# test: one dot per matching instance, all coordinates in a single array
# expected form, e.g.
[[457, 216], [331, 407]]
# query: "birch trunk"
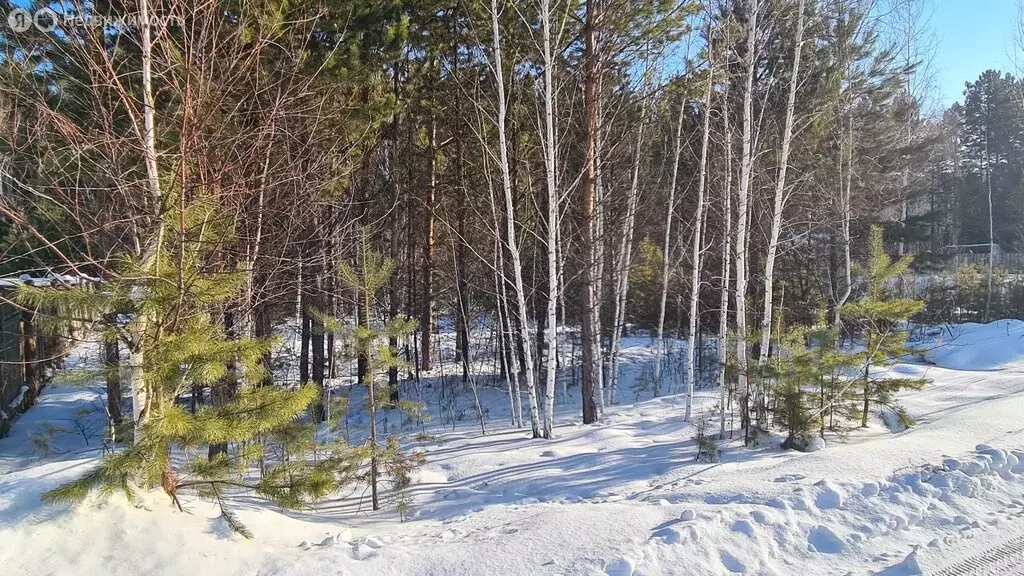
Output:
[[591, 75], [137, 377], [597, 254], [511, 372], [845, 183], [513, 247], [778, 207], [845, 203], [550, 148], [624, 256], [427, 311], [723, 311], [746, 164], [659, 344], [141, 398], [695, 251]]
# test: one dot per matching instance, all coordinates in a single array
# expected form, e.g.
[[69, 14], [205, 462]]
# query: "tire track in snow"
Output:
[[1005, 559]]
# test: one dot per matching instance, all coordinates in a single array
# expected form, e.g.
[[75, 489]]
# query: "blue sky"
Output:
[[973, 36]]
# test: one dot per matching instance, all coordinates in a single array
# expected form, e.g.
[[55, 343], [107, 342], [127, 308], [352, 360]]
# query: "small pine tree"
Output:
[[792, 409], [372, 273], [882, 321], [811, 387], [704, 439], [176, 345]]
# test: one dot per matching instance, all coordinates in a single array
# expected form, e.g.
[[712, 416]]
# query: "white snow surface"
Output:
[[624, 496]]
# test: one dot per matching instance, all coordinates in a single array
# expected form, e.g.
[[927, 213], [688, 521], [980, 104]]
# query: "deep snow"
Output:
[[621, 497]]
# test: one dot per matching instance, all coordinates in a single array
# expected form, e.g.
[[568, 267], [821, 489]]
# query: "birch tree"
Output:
[[550, 170], [778, 208], [513, 246], [697, 247], [742, 201], [659, 343], [140, 396]]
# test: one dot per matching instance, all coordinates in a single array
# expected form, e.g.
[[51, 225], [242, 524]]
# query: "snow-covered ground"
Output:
[[621, 497]]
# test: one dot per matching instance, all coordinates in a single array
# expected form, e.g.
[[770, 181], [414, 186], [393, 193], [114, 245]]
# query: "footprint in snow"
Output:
[[830, 496], [361, 551], [790, 478], [731, 563], [823, 539], [365, 548], [670, 535], [743, 527], [620, 567]]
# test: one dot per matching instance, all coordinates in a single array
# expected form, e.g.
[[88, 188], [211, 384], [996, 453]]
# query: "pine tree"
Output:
[[882, 320], [371, 274], [184, 346], [809, 380]]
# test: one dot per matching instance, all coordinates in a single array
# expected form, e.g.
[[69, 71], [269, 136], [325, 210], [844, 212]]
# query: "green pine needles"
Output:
[[883, 321], [171, 307], [372, 273], [819, 384]]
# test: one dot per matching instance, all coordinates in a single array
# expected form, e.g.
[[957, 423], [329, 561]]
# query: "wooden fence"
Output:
[[1012, 262], [23, 358]]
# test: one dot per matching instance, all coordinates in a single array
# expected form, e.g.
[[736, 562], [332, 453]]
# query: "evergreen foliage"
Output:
[[707, 445], [811, 386], [182, 347], [645, 285], [819, 384], [882, 322], [369, 276]]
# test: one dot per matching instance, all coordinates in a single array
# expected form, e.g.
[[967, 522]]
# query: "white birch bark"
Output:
[[140, 394], [505, 325], [777, 210], [696, 248], [723, 311], [742, 193], [659, 345], [550, 148], [598, 255], [513, 245], [845, 182], [846, 209]]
